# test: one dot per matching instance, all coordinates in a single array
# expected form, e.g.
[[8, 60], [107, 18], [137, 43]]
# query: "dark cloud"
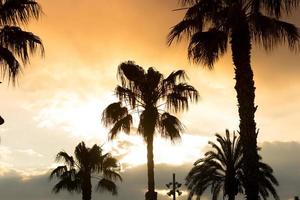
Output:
[[283, 157], [12, 187], [285, 161]]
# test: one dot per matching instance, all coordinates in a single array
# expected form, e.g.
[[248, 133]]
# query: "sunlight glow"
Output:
[[132, 150], [79, 116]]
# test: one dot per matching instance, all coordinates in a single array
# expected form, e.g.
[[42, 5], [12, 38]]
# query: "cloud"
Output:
[[281, 156], [284, 159]]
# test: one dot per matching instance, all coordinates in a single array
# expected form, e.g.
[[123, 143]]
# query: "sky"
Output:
[[59, 99]]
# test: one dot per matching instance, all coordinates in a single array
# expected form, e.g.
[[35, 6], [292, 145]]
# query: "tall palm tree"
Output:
[[16, 45], [210, 25], [148, 94], [76, 174], [221, 169]]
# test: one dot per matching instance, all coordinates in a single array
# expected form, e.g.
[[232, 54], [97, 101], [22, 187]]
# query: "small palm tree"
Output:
[[221, 170], [211, 25], [16, 44], [76, 174], [148, 94]]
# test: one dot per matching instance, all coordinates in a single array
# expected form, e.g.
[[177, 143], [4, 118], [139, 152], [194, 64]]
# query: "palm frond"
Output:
[[170, 126], [123, 124], [187, 2], [112, 175], [107, 185], [207, 47], [180, 96], [278, 7], [109, 162], [9, 64], [128, 96], [20, 42], [271, 32], [173, 77], [130, 74], [58, 171], [184, 28], [113, 113], [67, 184], [198, 15], [95, 157], [66, 158], [19, 11], [82, 155]]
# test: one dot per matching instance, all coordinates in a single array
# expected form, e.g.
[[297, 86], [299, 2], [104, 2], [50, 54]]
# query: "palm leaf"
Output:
[[170, 126], [270, 32], [58, 171], [113, 113], [9, 64], [63, 156], [207, 47], [107, 185], [19, 11], [20, 42], [123, 124]]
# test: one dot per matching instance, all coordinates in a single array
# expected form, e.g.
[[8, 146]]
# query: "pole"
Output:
[[174, 187]]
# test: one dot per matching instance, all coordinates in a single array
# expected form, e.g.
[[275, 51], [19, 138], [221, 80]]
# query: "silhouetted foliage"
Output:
[[89, 163], [148, 94], [15, 43], [221, 170], [210, 25], [1, 120]]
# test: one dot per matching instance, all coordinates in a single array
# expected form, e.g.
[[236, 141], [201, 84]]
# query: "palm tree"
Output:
[[17, 45], [76, 174], [210, 25], [221, 169], [148, 94]]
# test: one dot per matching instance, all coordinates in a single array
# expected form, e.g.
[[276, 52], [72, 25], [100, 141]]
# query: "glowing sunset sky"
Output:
[[59, 99]]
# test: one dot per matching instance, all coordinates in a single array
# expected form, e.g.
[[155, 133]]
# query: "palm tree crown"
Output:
[[221, 170], [209, 24], [75, 175], [17, 45], [148, 94]]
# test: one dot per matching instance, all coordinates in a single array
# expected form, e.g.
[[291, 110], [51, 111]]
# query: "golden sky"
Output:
[[59, 99]]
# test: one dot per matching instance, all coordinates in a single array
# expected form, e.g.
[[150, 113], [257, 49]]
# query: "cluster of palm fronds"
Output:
[[221, 170], [16, 45]]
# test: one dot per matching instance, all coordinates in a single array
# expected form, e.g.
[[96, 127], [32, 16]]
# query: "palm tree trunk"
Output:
[[241, 53], [150, 194], [86, 187]]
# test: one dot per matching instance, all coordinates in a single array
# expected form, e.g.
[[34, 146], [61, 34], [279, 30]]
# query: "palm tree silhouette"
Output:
[[148, 94], [14, 42], [221, 169], [210, 25], [76, 174]]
